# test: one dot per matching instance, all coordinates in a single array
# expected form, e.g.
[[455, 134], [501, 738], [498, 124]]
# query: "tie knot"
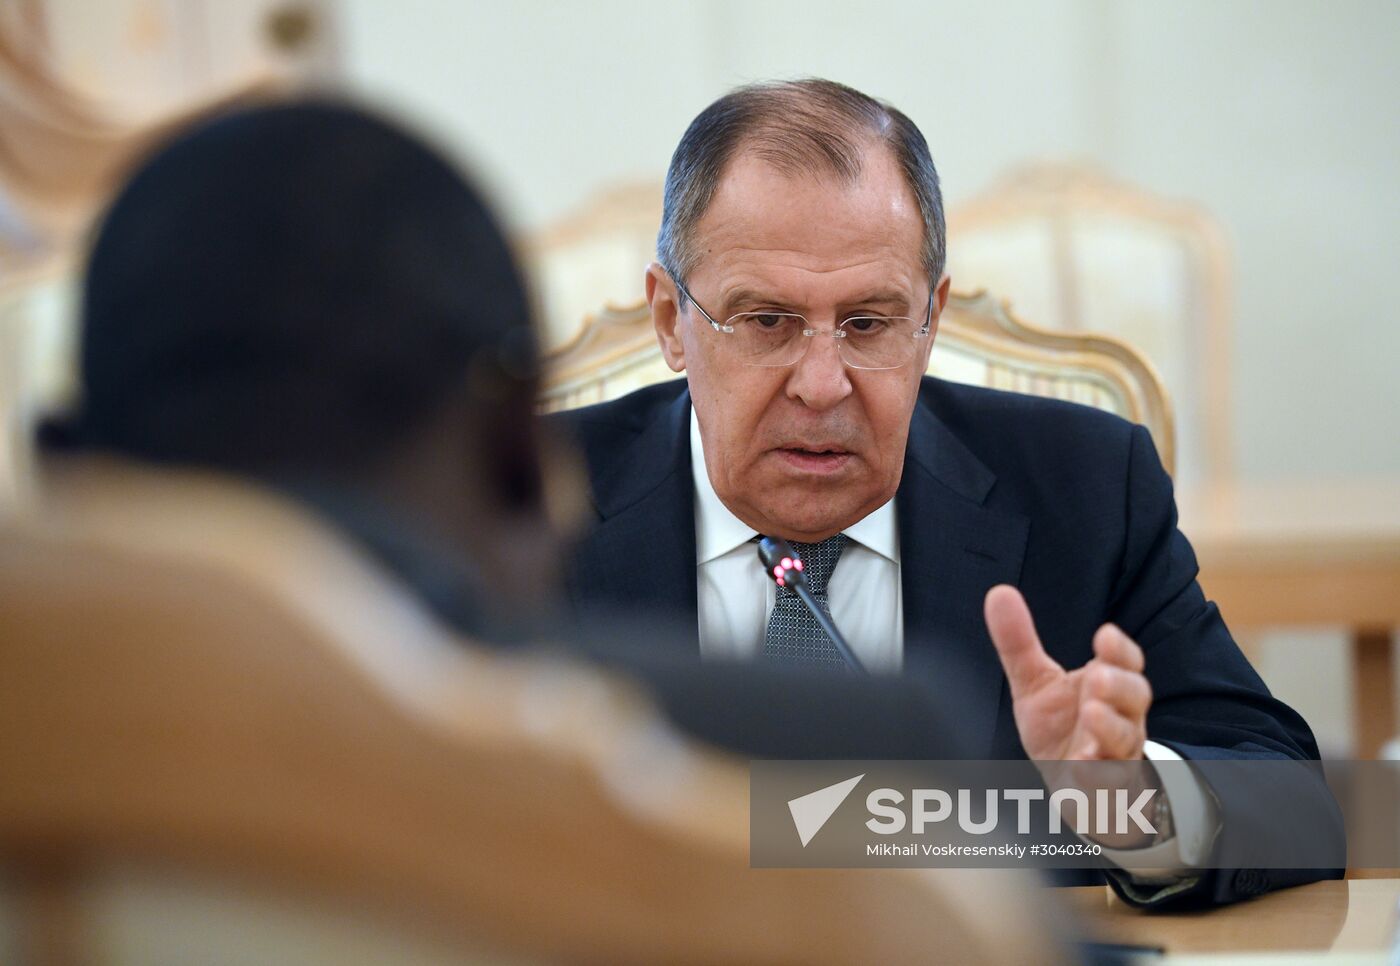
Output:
[[819, 560]]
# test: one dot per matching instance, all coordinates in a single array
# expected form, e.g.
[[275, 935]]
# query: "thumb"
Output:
[[1013, 633]]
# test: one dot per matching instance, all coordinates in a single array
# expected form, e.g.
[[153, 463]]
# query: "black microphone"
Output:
[[782, 564]]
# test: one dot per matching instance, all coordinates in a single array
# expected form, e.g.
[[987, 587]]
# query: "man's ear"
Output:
[[940, 296], [664, 299], [940, 302]]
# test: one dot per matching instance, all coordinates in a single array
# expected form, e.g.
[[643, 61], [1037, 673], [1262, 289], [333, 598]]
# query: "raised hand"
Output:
[[1096, 712]]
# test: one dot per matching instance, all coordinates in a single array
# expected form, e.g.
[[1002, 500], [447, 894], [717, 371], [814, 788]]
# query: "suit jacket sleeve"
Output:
[[1208, 703]]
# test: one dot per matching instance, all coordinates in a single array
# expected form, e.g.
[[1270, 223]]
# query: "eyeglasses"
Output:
[[775, 339]]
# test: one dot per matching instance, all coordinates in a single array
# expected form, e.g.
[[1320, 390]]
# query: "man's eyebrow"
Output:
[[751, 296], [882, 297]]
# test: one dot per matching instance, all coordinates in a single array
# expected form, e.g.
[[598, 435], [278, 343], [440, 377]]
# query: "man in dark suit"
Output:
[[799, 286]]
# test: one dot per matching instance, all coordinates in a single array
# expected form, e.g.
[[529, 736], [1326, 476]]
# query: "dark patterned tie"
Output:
[[793, 634]]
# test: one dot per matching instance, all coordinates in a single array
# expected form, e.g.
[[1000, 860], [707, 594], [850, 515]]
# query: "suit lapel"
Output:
[[641, 555], [953, 549]]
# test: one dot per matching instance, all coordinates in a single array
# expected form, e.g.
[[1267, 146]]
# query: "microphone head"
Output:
[[780, 562]]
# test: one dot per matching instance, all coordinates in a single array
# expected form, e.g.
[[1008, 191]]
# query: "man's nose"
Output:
[[819, 380]]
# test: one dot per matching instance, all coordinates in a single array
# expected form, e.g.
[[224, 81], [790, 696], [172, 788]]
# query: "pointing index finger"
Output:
[[1013, 633]]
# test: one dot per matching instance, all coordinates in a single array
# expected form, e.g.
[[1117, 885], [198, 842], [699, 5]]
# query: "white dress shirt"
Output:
[[735, 595], [866, 600]]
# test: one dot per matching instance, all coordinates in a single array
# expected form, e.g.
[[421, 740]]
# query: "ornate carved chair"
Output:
[[979, 341], [593, 255], [1078, 251]]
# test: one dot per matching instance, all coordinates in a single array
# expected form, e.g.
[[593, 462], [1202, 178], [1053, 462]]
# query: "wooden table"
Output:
[[1282, 554], [1341, 916]]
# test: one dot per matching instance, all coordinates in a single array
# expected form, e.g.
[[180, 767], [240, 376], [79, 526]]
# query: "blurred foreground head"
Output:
[[304, 294]]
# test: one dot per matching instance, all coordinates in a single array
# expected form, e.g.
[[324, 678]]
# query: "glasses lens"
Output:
[[767, 338], [878, 342]]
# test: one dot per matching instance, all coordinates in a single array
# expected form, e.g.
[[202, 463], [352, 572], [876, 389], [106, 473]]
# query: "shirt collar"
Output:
[[718, 531]]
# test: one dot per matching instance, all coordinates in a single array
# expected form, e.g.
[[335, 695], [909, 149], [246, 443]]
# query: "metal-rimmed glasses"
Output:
[[773, 338]]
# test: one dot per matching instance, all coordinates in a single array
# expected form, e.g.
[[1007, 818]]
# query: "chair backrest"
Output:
[[1076, 250], [979, 342], [596, 254], [195, 675]]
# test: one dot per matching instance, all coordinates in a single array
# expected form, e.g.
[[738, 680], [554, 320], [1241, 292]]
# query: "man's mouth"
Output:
[[815, 459]]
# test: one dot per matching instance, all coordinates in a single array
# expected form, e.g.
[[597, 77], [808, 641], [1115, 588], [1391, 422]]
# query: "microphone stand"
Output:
[[784, 568]]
